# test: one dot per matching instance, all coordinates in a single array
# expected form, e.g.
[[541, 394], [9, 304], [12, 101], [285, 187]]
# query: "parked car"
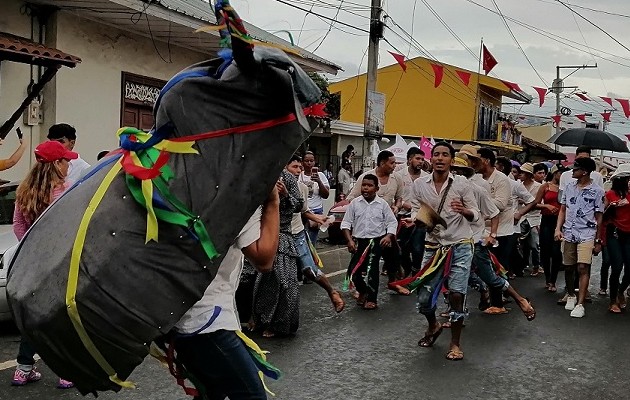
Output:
[[7, 240], [338, 210]]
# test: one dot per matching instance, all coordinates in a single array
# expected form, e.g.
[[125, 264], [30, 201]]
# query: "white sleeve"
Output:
[[564, 180], [251, 231], [348, 217], [523, 194], [324, 180]]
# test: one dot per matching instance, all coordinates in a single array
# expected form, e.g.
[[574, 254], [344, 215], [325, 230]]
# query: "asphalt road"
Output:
[[372, 355]]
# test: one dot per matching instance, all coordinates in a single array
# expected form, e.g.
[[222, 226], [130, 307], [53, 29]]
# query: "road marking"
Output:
[[11, 364], [330, 251], [341, 271]]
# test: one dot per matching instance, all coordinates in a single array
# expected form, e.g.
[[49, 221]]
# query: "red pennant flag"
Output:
[[400, 59], [556, 119], [512, 86], [625, 105], [606, 99], [438, 70], [606, 116], [541, 94], [488, 60], [581, 117], [627, 135], [464, 76], [581, 96]]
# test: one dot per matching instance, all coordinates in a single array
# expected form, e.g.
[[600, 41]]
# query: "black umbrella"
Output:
[[593, 138]]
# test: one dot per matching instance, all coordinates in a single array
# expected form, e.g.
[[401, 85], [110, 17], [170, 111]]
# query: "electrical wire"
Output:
[[357, 79], [330, 26], [507, 26], [448, 28], [322, 16]]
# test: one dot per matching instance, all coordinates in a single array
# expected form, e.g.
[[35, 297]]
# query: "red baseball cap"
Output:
[[51, 151]]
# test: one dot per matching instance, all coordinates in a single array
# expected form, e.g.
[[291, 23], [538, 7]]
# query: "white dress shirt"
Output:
[[76, 169], [457, 227], [369, 220], [520, 196], [501, 194], [487, 208], [390, 191]]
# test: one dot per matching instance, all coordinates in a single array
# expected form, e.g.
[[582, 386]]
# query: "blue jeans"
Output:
[[457, 278], [305, 260], [220, 361], [314, 232], [481, 260]]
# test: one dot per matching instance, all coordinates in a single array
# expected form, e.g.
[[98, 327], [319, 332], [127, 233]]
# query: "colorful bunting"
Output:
[[625, 105], [489, 61], [438, 71], [556, 119], [627, 135], [606, 116], [606, 99], [400, 59], [581, 117], [541, 94], [464, 76], [583, 97], [512, 86]]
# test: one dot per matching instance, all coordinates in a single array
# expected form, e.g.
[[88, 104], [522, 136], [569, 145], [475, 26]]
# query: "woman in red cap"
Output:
[[44, 183]]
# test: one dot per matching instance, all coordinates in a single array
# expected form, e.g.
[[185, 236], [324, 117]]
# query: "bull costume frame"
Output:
[[114, 263]]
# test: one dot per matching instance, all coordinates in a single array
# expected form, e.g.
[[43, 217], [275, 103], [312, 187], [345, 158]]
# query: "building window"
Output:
[[487, 122], [139, 94]]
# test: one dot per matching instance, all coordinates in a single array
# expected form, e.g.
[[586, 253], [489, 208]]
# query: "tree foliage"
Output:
[[332, 100]]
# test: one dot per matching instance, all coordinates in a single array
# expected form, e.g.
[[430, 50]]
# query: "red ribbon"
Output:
[[140, 172]]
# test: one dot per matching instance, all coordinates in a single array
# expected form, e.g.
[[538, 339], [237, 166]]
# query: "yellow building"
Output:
[[416, 108]]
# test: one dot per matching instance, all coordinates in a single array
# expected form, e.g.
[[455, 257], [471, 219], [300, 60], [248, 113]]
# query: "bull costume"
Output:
[[148, 222]]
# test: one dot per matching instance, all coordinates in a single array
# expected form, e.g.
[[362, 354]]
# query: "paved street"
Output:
[[373, 354]]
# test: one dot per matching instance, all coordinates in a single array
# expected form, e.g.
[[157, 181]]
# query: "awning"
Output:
[[23, 50]]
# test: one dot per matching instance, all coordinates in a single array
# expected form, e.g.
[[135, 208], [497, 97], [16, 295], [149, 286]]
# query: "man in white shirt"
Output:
[[531, 245], [452, 199], [373, 225], [207, 342], [345, 179], [411, 239], [67, 135]]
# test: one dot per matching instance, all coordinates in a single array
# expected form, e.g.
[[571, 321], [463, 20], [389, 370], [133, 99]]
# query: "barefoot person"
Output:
[[305, 261], [582, 206], [455, 203], [373, 226]]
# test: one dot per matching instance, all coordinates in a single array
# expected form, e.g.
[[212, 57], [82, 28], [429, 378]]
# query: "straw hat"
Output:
[[528, 167], [461, 161], [622, 171], [427, 218], [470, 150], [558, 167]]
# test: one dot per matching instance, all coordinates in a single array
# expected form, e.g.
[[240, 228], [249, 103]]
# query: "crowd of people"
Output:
[[444, 225]]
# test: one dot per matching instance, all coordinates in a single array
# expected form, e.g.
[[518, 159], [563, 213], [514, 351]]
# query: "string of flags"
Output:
[[489, 62]]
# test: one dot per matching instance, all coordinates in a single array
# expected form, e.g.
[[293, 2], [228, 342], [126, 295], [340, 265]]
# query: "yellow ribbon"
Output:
[[263, 354], [73, 279]]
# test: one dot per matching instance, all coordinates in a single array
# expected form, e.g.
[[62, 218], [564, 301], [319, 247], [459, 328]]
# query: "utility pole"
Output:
[[558, 87], [376, 34]]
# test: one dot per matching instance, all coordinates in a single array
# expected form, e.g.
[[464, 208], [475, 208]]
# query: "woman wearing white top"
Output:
[[318, 190]]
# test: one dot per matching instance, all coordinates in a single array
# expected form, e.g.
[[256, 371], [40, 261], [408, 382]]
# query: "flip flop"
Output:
[[337, 301], [455, 355], [495, 311], [361, 300], [530, 314], [429, 338], [614, 308]]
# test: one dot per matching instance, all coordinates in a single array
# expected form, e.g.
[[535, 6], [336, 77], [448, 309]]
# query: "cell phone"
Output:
[[314, 170], [18, 132]]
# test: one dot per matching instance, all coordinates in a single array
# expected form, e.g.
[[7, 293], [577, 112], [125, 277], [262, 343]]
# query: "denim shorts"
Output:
[[305, 259], [460, 266]]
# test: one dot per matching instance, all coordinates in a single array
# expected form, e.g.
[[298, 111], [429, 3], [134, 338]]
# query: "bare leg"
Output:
[[569, 279], [457, 304], [322, 281]]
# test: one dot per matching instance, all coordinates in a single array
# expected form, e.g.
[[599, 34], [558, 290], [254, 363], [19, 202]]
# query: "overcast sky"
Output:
[[471, 22]]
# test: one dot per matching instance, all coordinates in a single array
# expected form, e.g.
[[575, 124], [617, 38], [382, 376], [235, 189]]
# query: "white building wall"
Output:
[[88, 97], [14, 79]]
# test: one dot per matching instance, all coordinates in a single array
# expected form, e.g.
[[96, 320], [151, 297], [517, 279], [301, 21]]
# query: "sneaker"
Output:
[[571, 300], [21, 378], [578, 311], [64, 384], [563, 300]]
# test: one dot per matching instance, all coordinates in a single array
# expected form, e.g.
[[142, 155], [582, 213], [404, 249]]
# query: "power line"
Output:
[[594, 24], [322, 16], [448, 28], [329, 26], [517, 43]]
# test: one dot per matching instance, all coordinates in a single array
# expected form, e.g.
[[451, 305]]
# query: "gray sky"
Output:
[[471, 22]]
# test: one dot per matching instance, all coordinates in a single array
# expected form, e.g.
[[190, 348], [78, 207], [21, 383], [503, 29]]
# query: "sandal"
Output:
[[445, 314], [337, 301], [400, 290], [455, 354], [553, 288], [429, 338], [484, 301], [268, 334], [355, 294], [621, 300], [370, 305], [530, 314], [495, 311], [614, 308], [447, 325], [361, 300]]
